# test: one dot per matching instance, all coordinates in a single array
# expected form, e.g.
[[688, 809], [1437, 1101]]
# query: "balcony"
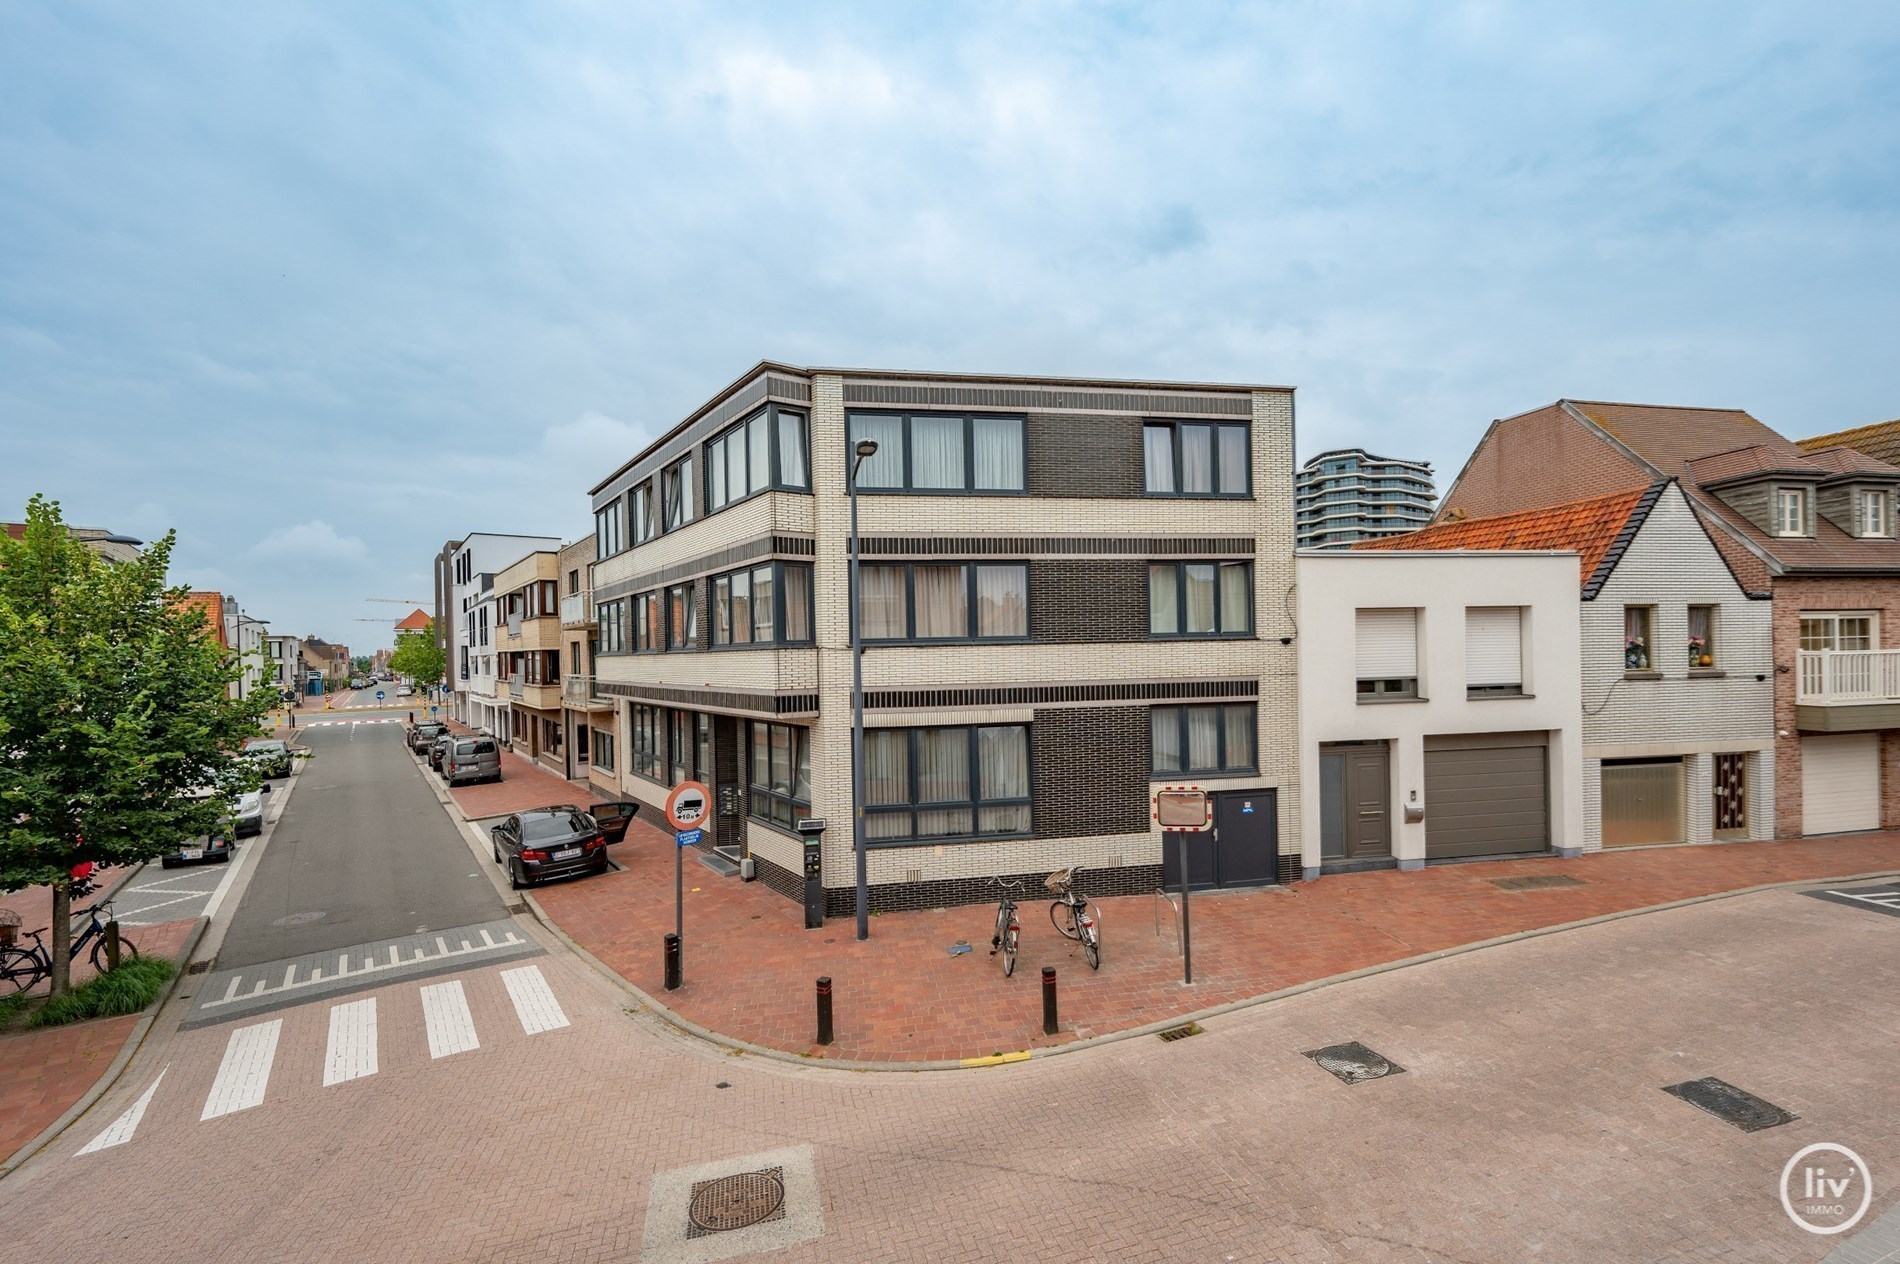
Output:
[[577, 610], [1847, 691], [580, 691], [514, 689]]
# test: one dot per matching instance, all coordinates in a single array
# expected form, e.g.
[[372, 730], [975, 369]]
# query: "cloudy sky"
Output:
[[322, 285]]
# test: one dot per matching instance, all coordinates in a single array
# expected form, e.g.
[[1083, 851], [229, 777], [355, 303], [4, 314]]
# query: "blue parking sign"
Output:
[[689, 838]]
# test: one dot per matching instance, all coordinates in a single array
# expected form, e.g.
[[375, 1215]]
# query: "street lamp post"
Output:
[[866, 448]]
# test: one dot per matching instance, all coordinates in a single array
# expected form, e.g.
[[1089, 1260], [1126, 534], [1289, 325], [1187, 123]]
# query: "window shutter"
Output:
[[1388, 644], [1494, 652]]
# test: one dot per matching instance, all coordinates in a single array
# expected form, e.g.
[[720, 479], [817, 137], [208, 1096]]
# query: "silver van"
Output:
[[472, 759]]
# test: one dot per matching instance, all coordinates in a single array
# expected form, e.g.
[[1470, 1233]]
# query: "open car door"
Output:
[[613, 819]]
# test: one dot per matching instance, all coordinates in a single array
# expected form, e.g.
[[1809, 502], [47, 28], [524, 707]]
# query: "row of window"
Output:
[[768, 604], [968, 453], [1872, 510]]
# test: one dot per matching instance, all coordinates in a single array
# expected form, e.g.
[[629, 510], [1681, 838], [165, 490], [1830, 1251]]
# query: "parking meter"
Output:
[[813, 829]]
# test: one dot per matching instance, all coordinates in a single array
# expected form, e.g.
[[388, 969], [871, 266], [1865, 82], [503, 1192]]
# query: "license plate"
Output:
[[567, 853], [192, 853]]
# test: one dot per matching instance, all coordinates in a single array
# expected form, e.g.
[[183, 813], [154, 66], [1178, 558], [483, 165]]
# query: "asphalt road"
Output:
[[363, 842]]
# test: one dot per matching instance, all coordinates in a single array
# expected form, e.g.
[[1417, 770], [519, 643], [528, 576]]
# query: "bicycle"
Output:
[[1008, 930], [1074, 916], [22, 968]]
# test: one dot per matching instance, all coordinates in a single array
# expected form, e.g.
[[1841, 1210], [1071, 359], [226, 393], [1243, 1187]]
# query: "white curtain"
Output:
[[887, 767], [801, 766], [1197, 459], [942, 601], [735, 465], [781, 740], [1236, 597], [761, 769], [791, 449], [881, 608], [762, 611], [1002, 756], [1164, 729], [1200, 597], [1002, 601], [715, 475], [1163, 598], [759, 440], [1204, 725], [936, 452], [742, 608], [1233, 460], [886, 468], [1240, 725], [1157, 457], [998, 453], [797, 603]]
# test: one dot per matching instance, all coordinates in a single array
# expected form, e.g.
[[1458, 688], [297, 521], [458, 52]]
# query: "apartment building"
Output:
[[245, 636], [582, 706], [1348, 495], [283, 665], [528, 658], [1072, 591], [472, 566]]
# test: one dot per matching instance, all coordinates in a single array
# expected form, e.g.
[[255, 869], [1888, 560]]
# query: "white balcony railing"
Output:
[[579, 690], [577, 610], [1849, 676], [514, 689]]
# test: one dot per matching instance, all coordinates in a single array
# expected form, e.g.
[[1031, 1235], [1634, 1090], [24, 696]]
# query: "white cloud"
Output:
[[313, 541], [593, 442]]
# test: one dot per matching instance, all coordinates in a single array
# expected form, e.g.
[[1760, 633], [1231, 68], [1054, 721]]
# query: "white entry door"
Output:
[[1840, 783]]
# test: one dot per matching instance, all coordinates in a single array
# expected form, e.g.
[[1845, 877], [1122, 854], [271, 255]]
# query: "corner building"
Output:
[[1072, 591]]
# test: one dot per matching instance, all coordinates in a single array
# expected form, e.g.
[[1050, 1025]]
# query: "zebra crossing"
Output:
[[330, 724], [352, 1044]]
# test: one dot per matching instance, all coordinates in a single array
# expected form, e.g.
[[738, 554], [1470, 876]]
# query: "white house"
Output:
[[1439, 708], [471, 636], [1677, 666]]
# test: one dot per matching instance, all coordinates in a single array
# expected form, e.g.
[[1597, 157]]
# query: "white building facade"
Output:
[[472, 645]]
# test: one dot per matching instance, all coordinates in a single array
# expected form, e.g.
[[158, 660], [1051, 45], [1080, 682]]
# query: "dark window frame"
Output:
[[649, 765], [1227, 767], [779, 639], [610, 515], [643, 514], [972, 617], [796, 809], [969, 420], [676, 476], [610, 621], [1180, 601], [775, 479], [1173, 426], [654, 624], [976, 802], [680, 640]]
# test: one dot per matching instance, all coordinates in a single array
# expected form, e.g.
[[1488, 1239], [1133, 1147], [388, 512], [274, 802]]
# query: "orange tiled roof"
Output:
[[1590, 528], [415, 622], [213, 606]]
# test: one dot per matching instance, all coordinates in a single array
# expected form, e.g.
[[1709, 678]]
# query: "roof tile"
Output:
[[1587, 527]]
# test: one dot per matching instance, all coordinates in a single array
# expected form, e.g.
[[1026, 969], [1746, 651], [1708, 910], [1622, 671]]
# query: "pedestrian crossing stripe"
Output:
[[325, 724], [244, 1072]]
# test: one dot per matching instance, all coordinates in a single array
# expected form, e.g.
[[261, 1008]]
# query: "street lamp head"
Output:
[[867, 448]]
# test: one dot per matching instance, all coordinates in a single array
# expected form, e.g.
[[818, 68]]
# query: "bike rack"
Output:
[[1161, 897]]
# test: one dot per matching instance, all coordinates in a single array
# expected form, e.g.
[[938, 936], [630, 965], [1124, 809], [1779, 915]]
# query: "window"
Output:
[[1200, 598], [1702, 636], [682, 618], [1871, 515], [1791, 511], [679, 746], [1494, 651], [766, 450], [603, 750], [1201, 739], [1385, 653], [1637, 623], [940, 452], [573, 581], [649, 737], [1837, 632], [641, 509], [763, 605], [676, 493], [1194, 459], [610, 618], [959, 601], [946, 783], [607, 538], [779, 773], [648, 633]]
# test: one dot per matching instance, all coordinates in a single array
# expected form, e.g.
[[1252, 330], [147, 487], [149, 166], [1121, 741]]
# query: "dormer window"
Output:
[[1873, 514], [1791, 511]]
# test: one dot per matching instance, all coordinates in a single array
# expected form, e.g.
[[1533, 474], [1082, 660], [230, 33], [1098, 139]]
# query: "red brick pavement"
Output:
[[750, 965], [523, 784]]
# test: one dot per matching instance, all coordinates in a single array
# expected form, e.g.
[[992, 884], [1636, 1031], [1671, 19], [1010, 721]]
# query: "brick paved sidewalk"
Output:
[[42, 1073], [750, 965], [524, 784]]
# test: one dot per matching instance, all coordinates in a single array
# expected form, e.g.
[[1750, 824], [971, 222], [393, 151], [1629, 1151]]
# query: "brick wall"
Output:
[[1090, 771], [1088, 601], [1108, 463]]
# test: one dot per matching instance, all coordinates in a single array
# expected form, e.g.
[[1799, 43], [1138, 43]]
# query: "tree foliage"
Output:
[[417, 656], [113, 711]]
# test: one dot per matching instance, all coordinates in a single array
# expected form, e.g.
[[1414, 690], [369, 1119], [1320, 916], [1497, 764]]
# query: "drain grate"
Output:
[[1729, 1104], [519, 906], [197, 967], [1353, 1063], [736, 1202], [1181, 1033], [1537, 882]]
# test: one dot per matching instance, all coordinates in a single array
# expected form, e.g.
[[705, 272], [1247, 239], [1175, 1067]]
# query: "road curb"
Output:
[[110, 1076]]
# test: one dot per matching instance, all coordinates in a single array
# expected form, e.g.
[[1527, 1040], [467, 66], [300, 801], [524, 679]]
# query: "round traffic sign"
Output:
[[688, 805]]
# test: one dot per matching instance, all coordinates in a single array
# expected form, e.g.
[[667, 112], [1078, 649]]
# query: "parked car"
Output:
[[246, 818], [613, 819], [472, 759], [359, 683], [422, 736], [250, 811], [405, 692], [439, 748], [545, 843], [273, 755]]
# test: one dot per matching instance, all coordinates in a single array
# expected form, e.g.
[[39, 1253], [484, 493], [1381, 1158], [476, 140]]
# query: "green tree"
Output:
[[113, 710], [418, 657]]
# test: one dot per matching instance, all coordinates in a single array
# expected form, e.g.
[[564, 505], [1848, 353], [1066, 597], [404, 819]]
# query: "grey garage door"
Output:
[[1486, 794]]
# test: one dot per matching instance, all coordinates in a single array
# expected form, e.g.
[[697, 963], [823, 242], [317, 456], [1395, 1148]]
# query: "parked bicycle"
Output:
[[1008, 930], [1075, 917], [22, 968]]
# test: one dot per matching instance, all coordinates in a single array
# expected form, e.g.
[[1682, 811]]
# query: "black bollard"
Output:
[[112, 945], [1048, 1000], [672, 962], [824, 1009]]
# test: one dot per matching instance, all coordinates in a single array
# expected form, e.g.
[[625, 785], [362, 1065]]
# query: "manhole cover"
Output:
[[1353, 1063], [1730, 1104], [1539, 882], [735, 1202], [298, 919]]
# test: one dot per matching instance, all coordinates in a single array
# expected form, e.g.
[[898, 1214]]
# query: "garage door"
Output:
[[1840, 783], [1485, 795]]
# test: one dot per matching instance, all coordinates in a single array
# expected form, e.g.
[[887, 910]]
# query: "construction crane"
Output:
[[396, 601]]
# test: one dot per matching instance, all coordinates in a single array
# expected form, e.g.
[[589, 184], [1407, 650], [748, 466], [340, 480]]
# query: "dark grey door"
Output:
[[1355, 802], [1241, 850], [1486, 795]]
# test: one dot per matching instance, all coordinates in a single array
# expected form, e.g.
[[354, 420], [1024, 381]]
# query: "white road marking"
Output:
[[352, 1051], [370, 966], [445, 1013], [245, 1071], [1885, 899], [125, 1125], [535, 1003]]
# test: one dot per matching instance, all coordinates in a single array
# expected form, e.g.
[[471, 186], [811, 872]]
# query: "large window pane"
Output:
[[1003, 762], [886, 469], [1164, 617], [998, 454], [762, 608], [1157, 458], [760, 772], [797, 603], [781, 743], [759, 443], [886, 825], [936, 452], [1197, 459], [942, 601], [1203, 735], [1233, 460], [735, 465], [791, 450], [943, 766], [1005, 820], [887, 766], [801, 767], [1236, 597], [1198, 581], [1164, 724], [881, 616], [716, 474], [944, 822], [1002, 601], [1240, 724], [741, 607], [722, 611]]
